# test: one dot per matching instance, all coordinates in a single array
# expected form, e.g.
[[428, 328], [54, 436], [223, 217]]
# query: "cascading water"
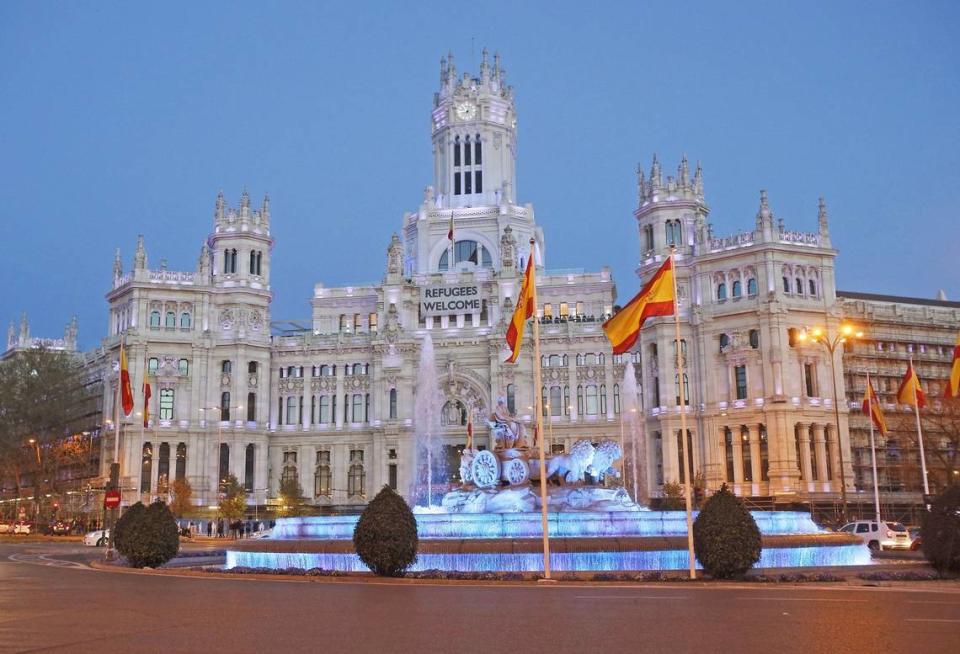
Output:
[[633, 428], [428, 460]]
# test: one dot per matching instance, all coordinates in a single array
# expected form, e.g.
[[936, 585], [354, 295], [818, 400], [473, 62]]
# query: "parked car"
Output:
[[60, 528], [915, 541], [6, 527], [97, 538], [21, 528], [879, 535]]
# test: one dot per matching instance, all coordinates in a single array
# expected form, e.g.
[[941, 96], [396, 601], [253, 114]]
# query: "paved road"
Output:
[[50, 601]]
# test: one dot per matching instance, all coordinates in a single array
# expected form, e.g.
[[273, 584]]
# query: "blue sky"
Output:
[[126, 118]]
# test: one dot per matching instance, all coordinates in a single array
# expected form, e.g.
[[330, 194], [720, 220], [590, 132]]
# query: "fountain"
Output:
[[427, 453], [492, 522]]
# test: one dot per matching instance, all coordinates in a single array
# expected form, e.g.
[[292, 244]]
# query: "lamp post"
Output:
[[830, 343], [36, 484]]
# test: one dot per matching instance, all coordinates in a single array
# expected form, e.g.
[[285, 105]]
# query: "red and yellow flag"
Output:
[[146, 400], [655, 299], [871, 407], [521, 313], [126, 393], [952, 388], [910, 391], [450, 231]]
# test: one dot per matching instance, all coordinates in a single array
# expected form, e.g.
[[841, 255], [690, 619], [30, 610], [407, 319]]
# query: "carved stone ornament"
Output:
[[252, 381], [256, 320], [227, 319], [225, 380]]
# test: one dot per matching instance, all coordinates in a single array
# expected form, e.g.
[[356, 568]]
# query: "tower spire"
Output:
[[823, 222], [683, 173], [140, 255], [698, 181], [117, 265]]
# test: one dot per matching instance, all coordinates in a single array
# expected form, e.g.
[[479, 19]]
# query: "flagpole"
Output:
[[687, 491], [873, 449], [916, 412], [116, 450], [538, 408]]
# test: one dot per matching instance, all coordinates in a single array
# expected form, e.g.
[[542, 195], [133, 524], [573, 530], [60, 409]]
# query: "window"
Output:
[[170, 322], [658, 456], [786, 285], [322, 476], [580, 405], [648, 238], [592, 404], [548, 310], [372, 321], [252, 368], [478, 176], [456, 152], [556, 401], [248, 467], [154, 319], [146, 467], [511, 399], [809, 380], [152, 365], [566, 400], [737, 289], [754, 338], [356, 479], [683, 469], [357, 322], [603, 399], [721, 291], [393, 404], [674, 233], [728, 451], [181, 472], [226, 367], [616, 398], [166, 404], [291, 410], [253, 262], [358, 369], [251, 407], [456, 182], [813, 287], [224, 467], [225, 405], [467, 158], [751, 286], [747, 456], [477, 153], [740, 372], [392, 471], [686, 389], [183, 367], [344, 323], [184, 320], [357, 407], [289, 474], [863, 528], [724, 342], [467, 180], [764, 455], [798, 286], [656, 391]]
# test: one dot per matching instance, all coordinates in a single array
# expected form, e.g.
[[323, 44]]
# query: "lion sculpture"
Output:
[[570, 468], [606, 454]]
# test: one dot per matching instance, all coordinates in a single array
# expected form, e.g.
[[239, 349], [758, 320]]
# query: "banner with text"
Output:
[[444, 300]]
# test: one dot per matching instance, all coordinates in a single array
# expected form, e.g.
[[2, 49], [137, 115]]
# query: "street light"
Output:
[[830, 343], [36, 484]]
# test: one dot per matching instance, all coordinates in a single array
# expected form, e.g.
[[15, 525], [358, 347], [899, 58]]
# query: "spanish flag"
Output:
[[146, 401], [952, 388], [450, 231], [521, 313], [910, 391], [871, 407], [126, 393], [655, 299]]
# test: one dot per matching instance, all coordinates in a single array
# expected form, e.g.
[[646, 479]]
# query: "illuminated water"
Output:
[[781, 557]]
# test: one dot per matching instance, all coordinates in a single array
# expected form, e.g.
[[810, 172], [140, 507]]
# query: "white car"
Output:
[[880, 535], [21, 528], [96, 538]]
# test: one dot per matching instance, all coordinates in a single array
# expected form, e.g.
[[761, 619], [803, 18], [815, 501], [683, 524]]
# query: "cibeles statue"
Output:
[[507, 431]]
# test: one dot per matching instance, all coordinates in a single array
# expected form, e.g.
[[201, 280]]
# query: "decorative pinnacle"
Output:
[[244, 200], [698, 180], [683, 172]]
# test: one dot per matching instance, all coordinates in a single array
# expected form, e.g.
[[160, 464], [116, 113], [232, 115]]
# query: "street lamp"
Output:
[[830, 343], [36, 484]]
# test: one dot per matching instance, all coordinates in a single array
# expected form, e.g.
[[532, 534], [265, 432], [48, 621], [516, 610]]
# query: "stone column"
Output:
[[338, 417], [306, 417], [755, 463], [305, 464], [273, 395], [572, 384], [820, 446], [805, 472]]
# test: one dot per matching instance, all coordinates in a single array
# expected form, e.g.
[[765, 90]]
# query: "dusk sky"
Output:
[[124, 118]]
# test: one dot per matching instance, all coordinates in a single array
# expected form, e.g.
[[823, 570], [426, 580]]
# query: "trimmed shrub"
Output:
[[940, 531], [147, 536], [725, 536], [385, 537]]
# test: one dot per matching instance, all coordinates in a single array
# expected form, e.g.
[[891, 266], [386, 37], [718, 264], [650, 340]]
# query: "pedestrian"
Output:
[[209, 528]]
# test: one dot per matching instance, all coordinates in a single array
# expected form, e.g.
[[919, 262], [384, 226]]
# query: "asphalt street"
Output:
[[50, 600]]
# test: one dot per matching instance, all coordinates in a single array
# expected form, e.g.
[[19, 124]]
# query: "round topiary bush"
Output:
[[385, 537], [725, 536], [147, 536], [940, 531]]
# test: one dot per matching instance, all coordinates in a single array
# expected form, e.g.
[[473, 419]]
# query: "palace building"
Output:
[[331, 404]]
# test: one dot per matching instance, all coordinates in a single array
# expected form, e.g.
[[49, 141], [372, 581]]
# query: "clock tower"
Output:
[[474, 128]]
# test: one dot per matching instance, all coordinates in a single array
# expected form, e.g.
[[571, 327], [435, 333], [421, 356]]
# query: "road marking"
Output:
[[39, 559], [630, 597], [802, 599], [931, 620]]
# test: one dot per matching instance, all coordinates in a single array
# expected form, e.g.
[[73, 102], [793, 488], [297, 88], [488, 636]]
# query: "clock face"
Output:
[[466, 111]]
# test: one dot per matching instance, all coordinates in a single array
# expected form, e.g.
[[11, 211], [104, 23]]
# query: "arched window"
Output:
[[393, 404], [580, 405], [251, 367], [184, 320], [566, 400], [467, 152], [721, 291], [181, 471], [171, 320], [674, 232], [225, 405], [813, 287], [554, 360], [724, 342], [152, 365], [356, 477], [358, 369], [686, 389], [603, 399], [289, 471], [456, 153], [163, 468], [454, 414], [166, 404], [292, 410], [251, 407], [593, 406], [754, 338], [556, 401], [477, 155], [566, 361], [347, 369], [737, 288], [589, 359], [248, 467], [357, 408], [799, 286], [226, 366], [579, 359], [154, 319], [786, 284], [322, 475], [146, 467], [616, 398], [752, 286], [324, 370]]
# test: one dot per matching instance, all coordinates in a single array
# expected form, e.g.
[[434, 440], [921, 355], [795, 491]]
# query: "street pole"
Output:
[[538, 409], [836, 414], [916, 412], [873, 449]]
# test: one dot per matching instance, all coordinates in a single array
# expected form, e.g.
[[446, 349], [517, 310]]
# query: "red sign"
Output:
[[111, 499]]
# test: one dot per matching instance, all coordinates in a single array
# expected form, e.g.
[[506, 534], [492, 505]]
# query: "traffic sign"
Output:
[[111, 499]]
